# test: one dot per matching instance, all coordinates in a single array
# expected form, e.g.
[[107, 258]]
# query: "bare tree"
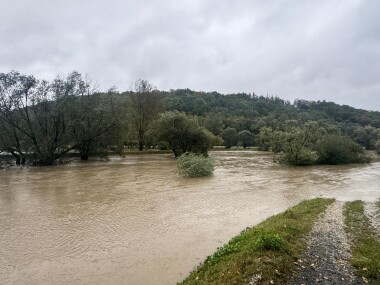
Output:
[[47, 120]]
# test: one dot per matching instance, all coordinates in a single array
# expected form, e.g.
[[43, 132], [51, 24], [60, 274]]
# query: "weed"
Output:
[[366, 246]]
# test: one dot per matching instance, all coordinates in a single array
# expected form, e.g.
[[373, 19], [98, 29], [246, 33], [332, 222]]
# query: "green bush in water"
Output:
[[337, 149], [378, 147], [301, 157], [163, 145], [194, 165]]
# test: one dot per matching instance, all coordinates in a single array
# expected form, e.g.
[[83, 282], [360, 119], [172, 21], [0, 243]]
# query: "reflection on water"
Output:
[[135, 221]]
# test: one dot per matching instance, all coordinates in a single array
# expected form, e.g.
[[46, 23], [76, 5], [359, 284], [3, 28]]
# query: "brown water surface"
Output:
[[135, 221]]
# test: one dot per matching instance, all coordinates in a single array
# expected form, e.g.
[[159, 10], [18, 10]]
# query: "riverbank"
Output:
[[7, 161], [306, 244]]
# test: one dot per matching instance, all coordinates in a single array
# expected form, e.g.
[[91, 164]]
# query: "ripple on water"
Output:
[[135, 219]]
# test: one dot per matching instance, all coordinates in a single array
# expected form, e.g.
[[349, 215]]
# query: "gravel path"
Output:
[[326, 260], [372, 211]]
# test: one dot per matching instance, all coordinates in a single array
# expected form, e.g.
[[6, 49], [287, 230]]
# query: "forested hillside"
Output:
[[244, 111], [41, 121]]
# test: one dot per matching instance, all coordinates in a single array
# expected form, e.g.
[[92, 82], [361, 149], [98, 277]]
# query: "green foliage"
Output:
[[269, 249], [68, 113], [230, 137], [182, 133], [269, 241], [299, 143], [144, 105], [45, 120], [312, 143], [245, 138], [217, 141], [277, 139], [163, 145], [378, 147], [338, 149], [265, 138], [194, 165], [302, 157], [213, 122], [366, 246], [367, 136]]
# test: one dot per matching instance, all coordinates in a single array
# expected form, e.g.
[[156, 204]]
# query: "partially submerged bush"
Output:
[[163, 145], [193, 165], [302, 157], [378, 147], [339, 149]]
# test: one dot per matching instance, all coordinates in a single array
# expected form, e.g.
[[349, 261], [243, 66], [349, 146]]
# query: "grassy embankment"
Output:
[[265, 253], [366, 245]]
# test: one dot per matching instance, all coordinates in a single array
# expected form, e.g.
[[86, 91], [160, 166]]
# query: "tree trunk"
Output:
[[17, 157], [84, 151], [84, 156]]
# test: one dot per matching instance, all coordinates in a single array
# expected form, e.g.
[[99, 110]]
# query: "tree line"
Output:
[[41, 121]]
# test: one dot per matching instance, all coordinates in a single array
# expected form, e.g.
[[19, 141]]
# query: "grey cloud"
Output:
[[316, 50]]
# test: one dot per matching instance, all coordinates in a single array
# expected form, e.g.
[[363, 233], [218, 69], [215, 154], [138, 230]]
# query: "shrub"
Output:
[[193, 165], [337, 149], [300, 158], [378, 147], [269, 241], [163, 145], [230, 137]]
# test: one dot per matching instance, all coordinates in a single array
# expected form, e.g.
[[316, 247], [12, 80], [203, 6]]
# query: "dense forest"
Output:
[[41, 122]]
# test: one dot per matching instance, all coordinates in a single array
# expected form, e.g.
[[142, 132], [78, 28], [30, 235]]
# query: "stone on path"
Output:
[[326, 259]]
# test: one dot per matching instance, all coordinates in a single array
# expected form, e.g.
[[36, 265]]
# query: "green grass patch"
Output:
[[366, 246], [266, 252]]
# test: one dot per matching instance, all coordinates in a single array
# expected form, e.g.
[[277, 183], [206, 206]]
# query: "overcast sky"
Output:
[[314, 50]]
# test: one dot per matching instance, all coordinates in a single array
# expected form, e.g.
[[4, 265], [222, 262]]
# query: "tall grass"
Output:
[[366, 245]]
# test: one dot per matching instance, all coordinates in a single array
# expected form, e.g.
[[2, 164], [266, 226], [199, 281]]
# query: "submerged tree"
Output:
[[338, 149], [34, 111], [97, 119], [47, 120], [182, 133], [311, 143], [230, 137], [378, 147], [144, 106], [265, 138], [245, 138], [367, 136]]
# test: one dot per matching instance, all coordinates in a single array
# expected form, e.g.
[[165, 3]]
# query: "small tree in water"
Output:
[[144, 106], [182, 133], [194, 165]]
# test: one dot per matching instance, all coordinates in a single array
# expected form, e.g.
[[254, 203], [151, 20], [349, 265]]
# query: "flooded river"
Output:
[[133, 220]]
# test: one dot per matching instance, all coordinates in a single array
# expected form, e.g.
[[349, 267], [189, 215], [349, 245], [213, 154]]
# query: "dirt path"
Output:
[[326, 260], [372, 211]]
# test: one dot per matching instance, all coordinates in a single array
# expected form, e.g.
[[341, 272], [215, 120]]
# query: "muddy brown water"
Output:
[[133, 220]]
